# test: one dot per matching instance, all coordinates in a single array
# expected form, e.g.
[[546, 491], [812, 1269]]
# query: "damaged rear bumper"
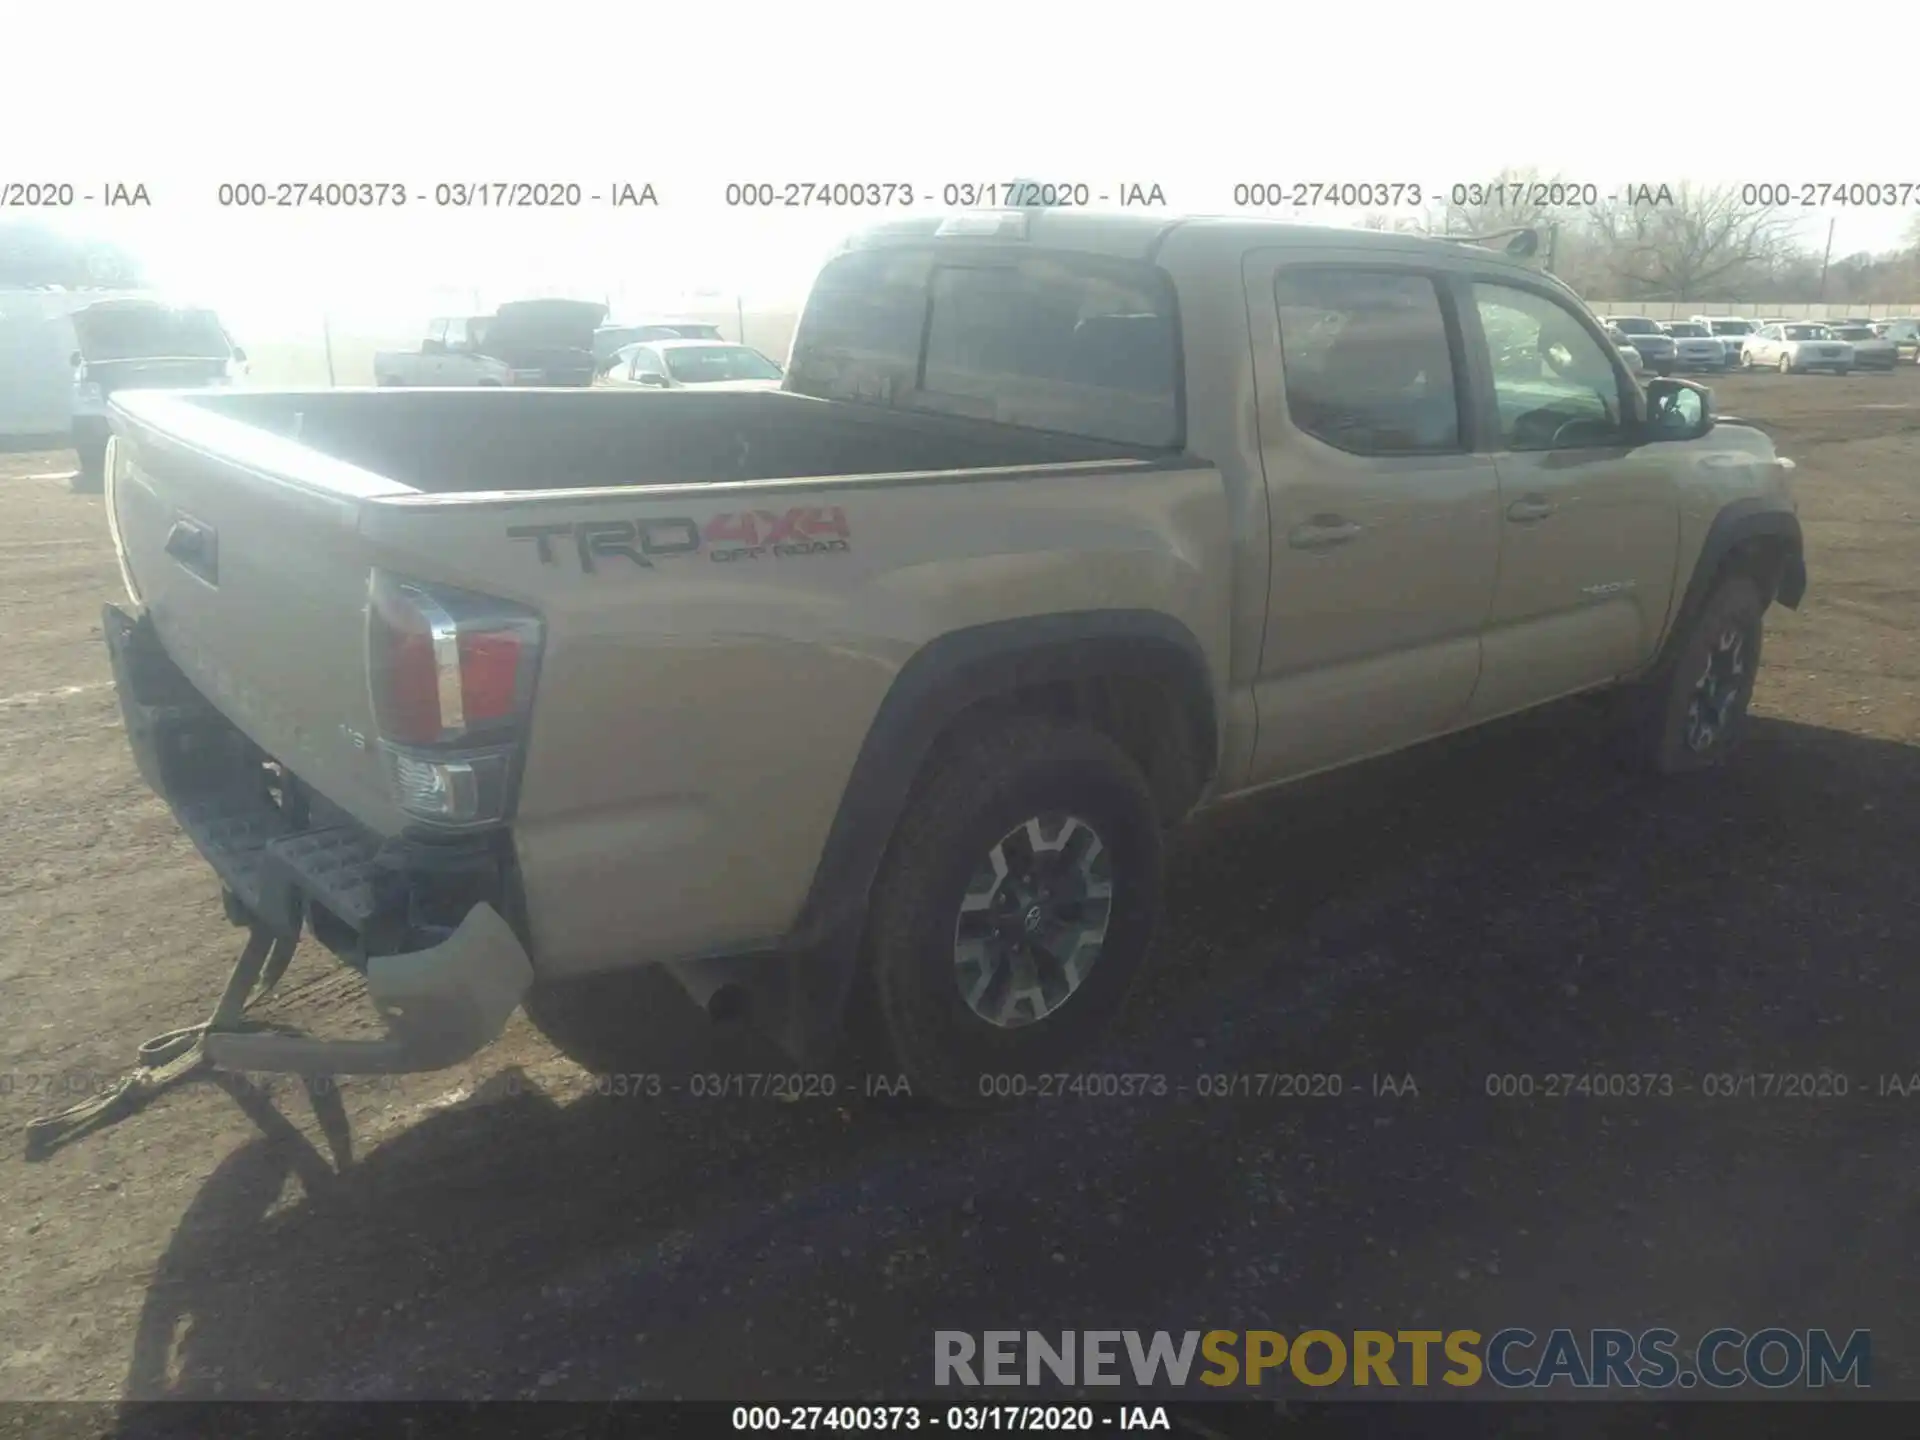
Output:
[[423, 922], [440, 1005]]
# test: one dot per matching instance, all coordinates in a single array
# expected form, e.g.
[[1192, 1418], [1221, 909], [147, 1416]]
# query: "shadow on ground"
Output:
[[1504, 905]]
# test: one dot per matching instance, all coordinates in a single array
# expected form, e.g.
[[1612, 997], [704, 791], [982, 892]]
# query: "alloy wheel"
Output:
[[1717, 692], [1033, 921]]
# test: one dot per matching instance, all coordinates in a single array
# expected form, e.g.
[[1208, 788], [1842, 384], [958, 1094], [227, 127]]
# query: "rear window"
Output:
[[708, 364], [1689, 332], [1808, 332], [1079, 345], [1856, 332], [1733, 327], [140, 333], [1635, 325]]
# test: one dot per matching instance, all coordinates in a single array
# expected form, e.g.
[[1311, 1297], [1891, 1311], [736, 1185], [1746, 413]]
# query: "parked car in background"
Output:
[[139, 344], [1904, 332], [610, 340], [1654, 344], [693, 364], [1695, 347], [526, 342], [1730, 330], [1870, 350], [1797, 346], [1635, 361]]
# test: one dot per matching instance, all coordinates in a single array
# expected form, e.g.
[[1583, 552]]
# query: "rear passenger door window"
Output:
[[1369, 367], [1555, 385]]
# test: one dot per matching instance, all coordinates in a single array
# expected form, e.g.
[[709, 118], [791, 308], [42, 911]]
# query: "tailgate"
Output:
[[243, 549]]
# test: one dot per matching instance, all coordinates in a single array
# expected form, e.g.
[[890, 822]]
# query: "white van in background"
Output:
[[37, 342], [45, 276]]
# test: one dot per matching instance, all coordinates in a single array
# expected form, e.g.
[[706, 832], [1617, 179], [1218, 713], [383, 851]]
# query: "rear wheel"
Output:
[[1785, 365], [1014, 908]]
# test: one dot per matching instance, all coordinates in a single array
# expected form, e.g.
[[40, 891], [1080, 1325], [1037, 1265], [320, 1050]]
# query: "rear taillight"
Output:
[[451, 675]]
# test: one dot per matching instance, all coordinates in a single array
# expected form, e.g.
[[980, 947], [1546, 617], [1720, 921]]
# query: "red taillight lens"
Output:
[[446, 666], [489, 675], [409, 676]]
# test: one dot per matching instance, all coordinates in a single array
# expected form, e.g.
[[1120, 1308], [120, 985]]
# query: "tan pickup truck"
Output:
[[1063, 527]]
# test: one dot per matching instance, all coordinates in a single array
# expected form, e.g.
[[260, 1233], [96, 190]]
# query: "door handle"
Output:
[[1529, 510], [1323, 532], [195, 547]]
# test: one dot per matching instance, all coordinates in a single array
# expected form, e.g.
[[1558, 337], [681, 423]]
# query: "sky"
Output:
[[1193, 98]]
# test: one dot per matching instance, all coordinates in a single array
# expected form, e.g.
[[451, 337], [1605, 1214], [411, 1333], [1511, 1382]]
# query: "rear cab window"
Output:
[[1074, 344], [1369, 366]]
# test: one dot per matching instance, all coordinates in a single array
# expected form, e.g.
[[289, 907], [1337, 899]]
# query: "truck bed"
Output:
[[783, 604], [454, 441]]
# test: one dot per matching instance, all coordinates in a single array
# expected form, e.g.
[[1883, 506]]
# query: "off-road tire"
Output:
[[979, 786], [1658, 735]]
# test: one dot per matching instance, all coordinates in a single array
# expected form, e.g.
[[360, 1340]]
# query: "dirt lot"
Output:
[[1506, 906]]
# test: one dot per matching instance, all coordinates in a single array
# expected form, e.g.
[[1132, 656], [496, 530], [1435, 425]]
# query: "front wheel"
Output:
[[1697, 701], [1785, 365], [1014, 908]]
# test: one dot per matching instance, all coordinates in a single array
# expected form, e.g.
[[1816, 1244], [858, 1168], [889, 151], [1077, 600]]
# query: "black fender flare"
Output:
[[1738, 523], [800, 990]]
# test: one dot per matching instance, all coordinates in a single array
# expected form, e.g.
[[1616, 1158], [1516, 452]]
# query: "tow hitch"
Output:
[[166, 1060]]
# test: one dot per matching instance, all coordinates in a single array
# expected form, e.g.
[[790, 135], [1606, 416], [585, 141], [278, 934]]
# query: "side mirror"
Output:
[[1678, 409], [76, 360]]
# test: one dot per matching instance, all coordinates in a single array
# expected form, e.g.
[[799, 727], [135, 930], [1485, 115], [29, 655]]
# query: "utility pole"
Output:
[[1827, 259]]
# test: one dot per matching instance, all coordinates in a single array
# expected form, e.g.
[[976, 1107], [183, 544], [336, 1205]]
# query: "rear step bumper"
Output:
[[442, 1000]]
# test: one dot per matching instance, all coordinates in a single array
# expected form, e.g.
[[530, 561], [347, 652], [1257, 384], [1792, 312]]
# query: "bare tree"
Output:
[[1690, 243], [1390, 220], [1512, 200]]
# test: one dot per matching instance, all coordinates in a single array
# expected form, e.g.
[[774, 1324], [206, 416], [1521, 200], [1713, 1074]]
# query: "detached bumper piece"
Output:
[[445, 971]]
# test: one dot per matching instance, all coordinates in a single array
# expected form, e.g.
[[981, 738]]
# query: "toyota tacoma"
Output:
[[1061, 528]]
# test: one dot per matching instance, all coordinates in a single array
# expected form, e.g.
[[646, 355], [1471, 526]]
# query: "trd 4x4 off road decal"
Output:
[[742, 535]]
